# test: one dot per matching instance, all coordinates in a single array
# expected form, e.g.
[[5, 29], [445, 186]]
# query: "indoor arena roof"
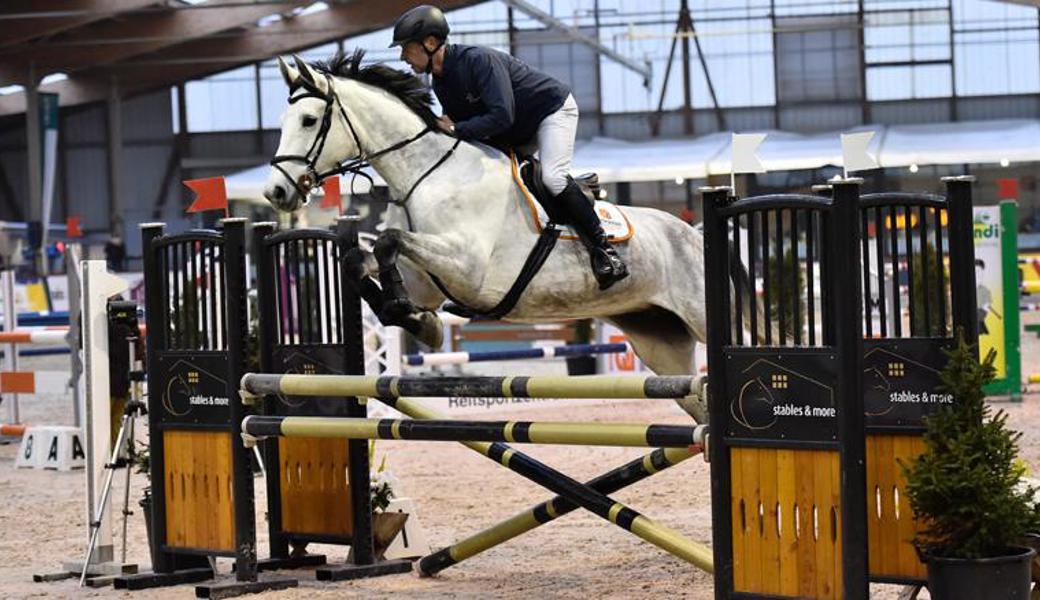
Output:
[[79, 47]]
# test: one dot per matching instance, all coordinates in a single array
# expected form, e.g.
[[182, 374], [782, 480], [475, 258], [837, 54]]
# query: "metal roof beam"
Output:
[[22, 22], [576, 35], [133, 35]]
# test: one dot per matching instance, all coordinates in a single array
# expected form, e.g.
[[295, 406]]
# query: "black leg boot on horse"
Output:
[[607, 266], [391, 304]]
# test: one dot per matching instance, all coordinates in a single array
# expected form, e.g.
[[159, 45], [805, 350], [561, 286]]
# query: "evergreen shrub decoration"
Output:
[[965, 488]]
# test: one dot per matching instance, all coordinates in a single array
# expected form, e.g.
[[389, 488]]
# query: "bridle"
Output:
[[313, 178]]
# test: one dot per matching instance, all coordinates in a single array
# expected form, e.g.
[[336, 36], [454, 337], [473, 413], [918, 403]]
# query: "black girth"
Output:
[[537, 257]]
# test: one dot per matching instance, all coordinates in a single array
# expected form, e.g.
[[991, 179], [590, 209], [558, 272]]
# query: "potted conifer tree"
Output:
[[966, 491]]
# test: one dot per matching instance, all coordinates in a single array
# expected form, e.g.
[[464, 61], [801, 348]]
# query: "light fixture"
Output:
[[680, 180], [1005, 162], [602, 194], [913, 168], [53, 78]]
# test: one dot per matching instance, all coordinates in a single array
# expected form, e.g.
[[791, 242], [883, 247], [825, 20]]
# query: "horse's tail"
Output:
[[745, 287]]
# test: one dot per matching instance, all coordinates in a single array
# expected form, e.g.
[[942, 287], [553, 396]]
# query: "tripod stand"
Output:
[[134, 408]]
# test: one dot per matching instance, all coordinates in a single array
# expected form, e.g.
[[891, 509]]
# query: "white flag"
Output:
[[854, 151], [744, 158]]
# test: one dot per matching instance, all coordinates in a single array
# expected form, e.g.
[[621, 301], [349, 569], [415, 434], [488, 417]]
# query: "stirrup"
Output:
[[618, 271]]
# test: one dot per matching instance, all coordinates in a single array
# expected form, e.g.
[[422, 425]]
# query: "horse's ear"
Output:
[[288, 73], [308, 74]]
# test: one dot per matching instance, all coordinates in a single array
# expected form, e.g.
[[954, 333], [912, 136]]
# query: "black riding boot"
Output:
[[607, 266]]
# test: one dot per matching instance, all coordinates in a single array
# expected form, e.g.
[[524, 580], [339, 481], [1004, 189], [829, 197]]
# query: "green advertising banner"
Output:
[[996, 280]]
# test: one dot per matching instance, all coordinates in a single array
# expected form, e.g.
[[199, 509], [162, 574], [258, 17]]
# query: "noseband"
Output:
[[313, 178]]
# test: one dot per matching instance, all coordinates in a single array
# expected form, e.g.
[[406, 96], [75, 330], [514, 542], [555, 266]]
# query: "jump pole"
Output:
[[550, 510], [595, 502], [517, 432], [591, 386], [437, 359]]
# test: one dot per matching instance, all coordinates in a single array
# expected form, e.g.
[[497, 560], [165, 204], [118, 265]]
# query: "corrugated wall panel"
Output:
[[16, 176], [911, 112], [148, 117], [224, 143], [820, 117], [87, 196], [572, 63], [84, 125], [999, 107]]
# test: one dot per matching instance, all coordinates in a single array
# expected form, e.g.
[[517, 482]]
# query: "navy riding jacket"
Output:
[[492, 96]]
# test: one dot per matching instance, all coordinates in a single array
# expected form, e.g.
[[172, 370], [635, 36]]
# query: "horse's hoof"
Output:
[[430, 330]]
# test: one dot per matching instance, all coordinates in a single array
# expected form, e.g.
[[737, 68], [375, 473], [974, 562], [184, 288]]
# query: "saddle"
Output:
[[531, 175], [544, 208], [528, 173]]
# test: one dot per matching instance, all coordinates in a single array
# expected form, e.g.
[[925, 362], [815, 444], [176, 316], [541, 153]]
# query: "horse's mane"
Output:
[[404, 86]]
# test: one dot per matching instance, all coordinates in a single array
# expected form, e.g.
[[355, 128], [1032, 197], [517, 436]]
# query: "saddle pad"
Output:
[[615, 224]]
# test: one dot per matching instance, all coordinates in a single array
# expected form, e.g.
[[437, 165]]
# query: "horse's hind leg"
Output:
[[662, 342]]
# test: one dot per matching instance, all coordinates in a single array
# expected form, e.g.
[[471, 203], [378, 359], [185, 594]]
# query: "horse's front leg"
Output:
[[441, 256], [423, 325], [387, 251], [360, 268], [428, 253]]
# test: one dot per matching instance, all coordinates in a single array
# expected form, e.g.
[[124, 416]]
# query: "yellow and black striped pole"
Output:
[[534, 517], [521, 432], [663, 537], [592, 386]]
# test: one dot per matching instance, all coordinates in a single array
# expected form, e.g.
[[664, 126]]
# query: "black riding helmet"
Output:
[[418, 23]]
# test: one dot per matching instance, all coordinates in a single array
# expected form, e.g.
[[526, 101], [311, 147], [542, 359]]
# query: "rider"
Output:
[[490, 96]]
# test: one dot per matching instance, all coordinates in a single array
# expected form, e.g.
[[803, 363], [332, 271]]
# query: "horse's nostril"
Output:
[[279, 192]]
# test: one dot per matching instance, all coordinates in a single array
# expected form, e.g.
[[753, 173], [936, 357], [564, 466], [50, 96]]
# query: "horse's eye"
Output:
[[309, 121]]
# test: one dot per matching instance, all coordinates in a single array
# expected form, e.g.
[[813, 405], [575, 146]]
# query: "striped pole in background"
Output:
[[434, 359], [34, 382], [12, 430], [35, 336]]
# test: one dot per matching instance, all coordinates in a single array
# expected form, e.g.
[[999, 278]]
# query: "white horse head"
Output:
[[315, 136]]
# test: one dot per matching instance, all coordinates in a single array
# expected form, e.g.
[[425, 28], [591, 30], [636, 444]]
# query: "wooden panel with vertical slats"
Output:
[[890, 526], [199, 503], [786, 522], [315, 487]]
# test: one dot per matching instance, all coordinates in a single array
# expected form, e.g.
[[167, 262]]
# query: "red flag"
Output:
[[332, 197], [210, 194], [72, 227], [1007, 189]]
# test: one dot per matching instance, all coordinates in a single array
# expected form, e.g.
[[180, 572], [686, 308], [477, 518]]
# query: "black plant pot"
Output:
[[1001, 577], [581, 365]]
